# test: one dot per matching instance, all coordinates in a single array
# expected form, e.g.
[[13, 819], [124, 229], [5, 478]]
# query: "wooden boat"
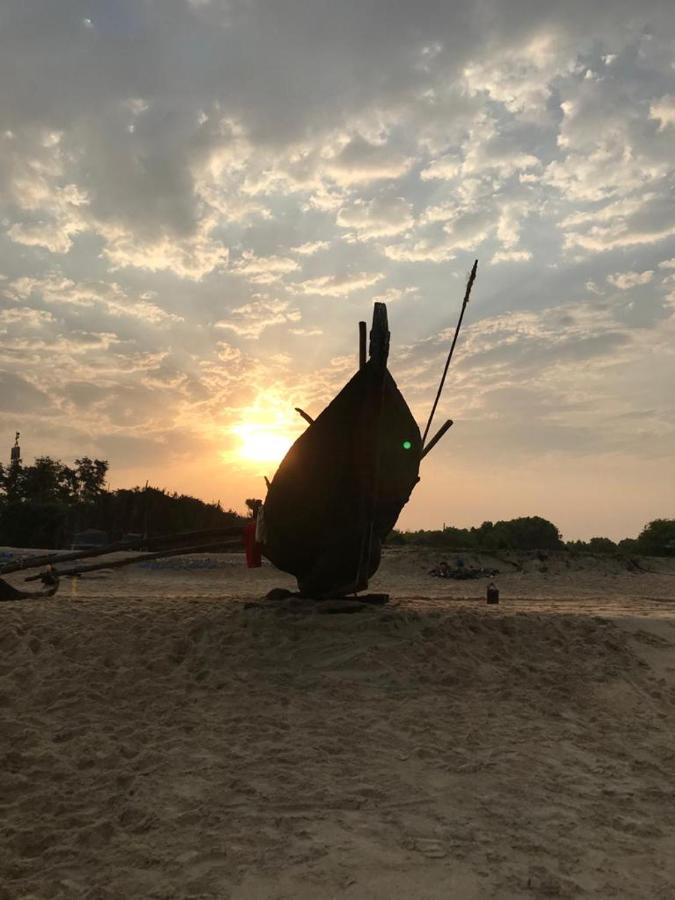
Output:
[[342, 485], [333, 500]]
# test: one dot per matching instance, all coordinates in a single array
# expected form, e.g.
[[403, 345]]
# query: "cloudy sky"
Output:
[[199, 199]]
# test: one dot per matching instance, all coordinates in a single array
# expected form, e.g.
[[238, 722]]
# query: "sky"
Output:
[[199, 200]]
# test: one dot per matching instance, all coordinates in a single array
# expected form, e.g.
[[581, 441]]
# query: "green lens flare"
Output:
[[407, 445]]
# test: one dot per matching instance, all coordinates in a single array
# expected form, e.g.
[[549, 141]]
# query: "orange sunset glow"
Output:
[[263, 434]]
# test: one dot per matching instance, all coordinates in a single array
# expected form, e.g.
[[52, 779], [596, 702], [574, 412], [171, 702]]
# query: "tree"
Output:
[[525, 533], [90, 474], [46, 481], [657, 537]]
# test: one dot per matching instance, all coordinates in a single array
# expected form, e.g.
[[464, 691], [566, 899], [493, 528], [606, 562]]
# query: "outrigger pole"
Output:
[[143, 557], [436, 438], [170, 540], [467, 294]]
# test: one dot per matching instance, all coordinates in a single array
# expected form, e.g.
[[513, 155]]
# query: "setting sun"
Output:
[[262, 443], [265, 431]]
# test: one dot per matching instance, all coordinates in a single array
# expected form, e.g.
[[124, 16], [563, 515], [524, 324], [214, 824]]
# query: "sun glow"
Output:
[[261, 443], [265, 431]]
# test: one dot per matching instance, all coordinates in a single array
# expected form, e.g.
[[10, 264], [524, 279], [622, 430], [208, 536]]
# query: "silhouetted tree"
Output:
[[43, 505], [90, 474], [657, 537]]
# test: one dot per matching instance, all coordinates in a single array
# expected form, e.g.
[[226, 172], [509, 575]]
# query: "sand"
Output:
[[159, 739]]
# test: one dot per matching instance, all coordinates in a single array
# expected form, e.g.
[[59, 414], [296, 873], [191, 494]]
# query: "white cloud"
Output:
[[626, 280], [360, 161], [434, 250], [511, 256], [108, 298], [395, 295], [663, 110], [445, 168], [310, 248], [264, 269], [251, 319], [337, 285], [377, 218]]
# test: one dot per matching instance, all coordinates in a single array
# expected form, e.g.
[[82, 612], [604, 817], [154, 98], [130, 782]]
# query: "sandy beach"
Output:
[[160, 738]]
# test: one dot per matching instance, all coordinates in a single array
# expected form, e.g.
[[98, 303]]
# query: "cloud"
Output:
[[251, 319], [264, 269], [444, 168], [310, 248], [663, 110], [109, 298], [19, 395], [376, 218], [511, 256], [336, 285], [193, 258], [394, 295], [360, 161], [626, 280]]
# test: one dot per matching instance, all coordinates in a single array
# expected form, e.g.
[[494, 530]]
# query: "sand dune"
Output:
[[158, 739]]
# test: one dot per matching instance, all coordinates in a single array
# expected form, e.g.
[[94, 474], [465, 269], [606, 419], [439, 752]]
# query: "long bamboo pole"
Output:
[[35, 562], [467, 294], [143, 557]]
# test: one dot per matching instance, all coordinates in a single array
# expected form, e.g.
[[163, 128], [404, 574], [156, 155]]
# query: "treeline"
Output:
[[45, 505], [657, 538]]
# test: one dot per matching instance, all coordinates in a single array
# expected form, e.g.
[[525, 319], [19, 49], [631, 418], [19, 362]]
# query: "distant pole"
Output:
[[146, 503], [467, 294], [15, 456]]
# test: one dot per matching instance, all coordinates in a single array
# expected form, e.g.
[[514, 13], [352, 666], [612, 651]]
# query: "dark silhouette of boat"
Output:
[[333, 500], [342, 485]]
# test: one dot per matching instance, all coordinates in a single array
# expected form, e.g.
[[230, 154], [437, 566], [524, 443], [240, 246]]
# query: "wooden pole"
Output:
[[305, 416], [436, 438], [36, 562], [362, 344], [467, 294], [143, 557]]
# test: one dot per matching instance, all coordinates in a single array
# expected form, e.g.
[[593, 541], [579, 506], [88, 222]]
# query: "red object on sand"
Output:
[[253, 548]]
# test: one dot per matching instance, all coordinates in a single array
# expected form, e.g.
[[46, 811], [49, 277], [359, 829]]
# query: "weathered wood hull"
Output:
[[342, 485]]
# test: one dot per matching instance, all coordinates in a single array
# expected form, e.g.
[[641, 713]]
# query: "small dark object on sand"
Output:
[[462, 573], [492, 594], [9, 593]]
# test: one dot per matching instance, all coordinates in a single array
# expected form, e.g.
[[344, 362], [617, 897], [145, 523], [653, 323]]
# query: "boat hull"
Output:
[[342, 485]]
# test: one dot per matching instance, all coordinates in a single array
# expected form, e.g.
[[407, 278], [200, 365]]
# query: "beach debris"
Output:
[[9, 594], [460, 572]]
